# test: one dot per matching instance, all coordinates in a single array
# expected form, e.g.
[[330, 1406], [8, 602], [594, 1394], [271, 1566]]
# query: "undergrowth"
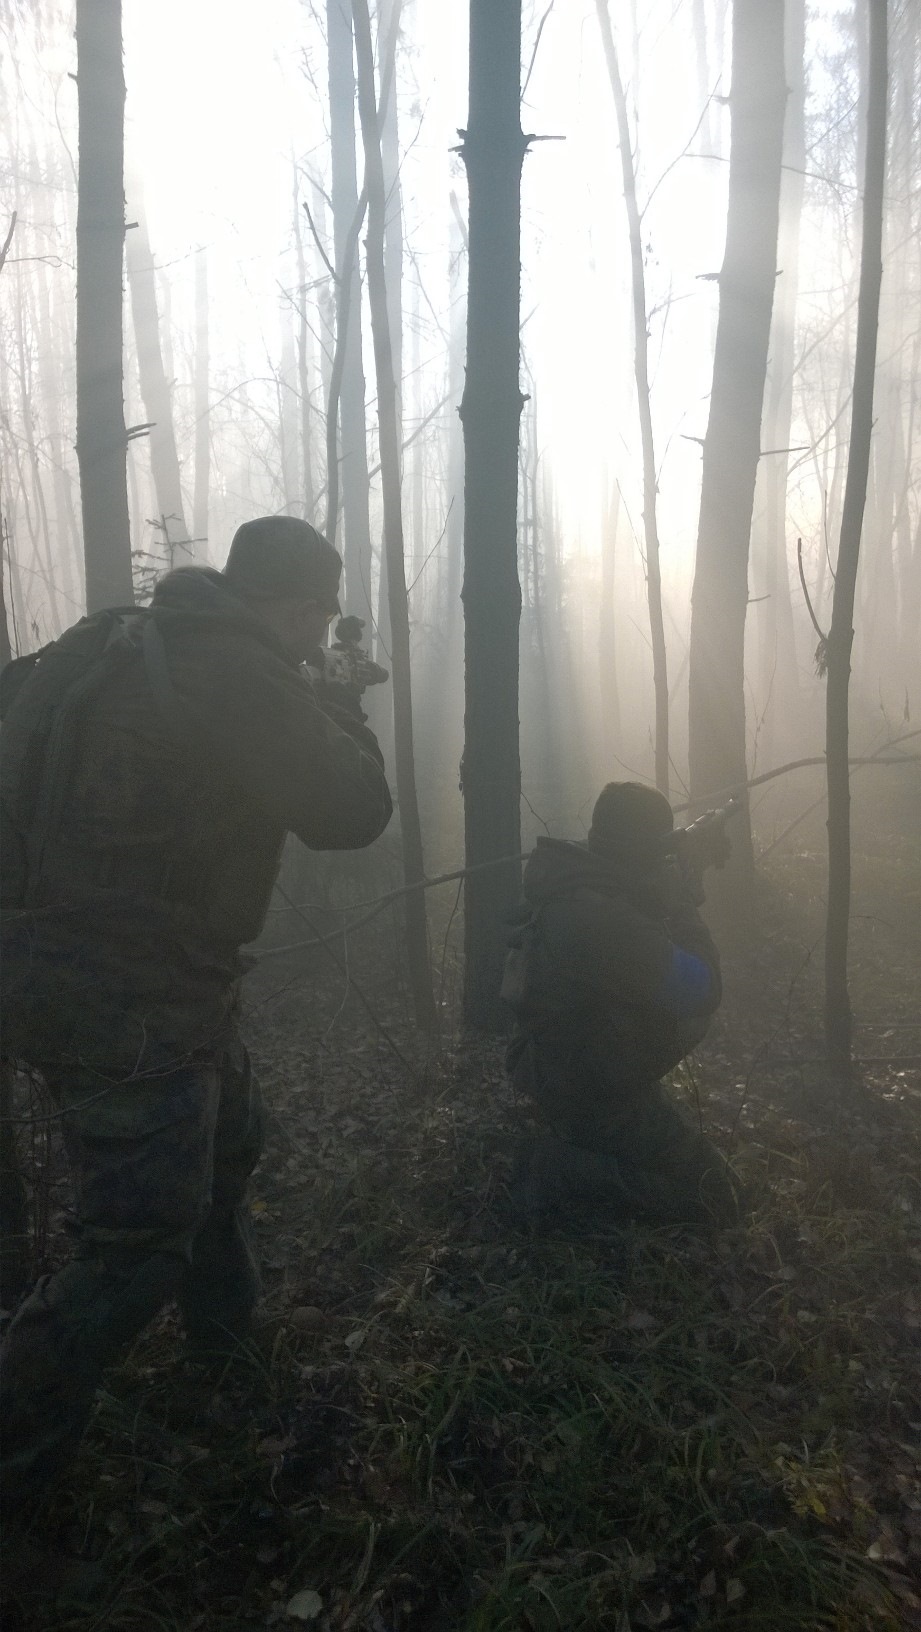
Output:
[[457, 1423]]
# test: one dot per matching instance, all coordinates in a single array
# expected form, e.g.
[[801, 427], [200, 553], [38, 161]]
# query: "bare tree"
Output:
[[388, 28], [348, 212], [202, 478], [644, 406], [413, 862], [493, 150], [101, 434], [308, 492], [156, 388], [841, 633], [716, 724], [607, 632], [6, 644], [779, 687]]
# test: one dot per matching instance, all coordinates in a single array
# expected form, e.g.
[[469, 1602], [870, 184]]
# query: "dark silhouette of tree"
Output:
[[493, 149], [413, 863], [840, 639], [101, 434], [716, 723]]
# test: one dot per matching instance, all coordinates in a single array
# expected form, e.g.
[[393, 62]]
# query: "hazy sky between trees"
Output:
[[228, 130]]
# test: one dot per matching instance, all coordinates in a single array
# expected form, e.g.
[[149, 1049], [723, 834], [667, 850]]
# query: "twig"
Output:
[[385, 901], [316, 238], [540, 30], [8, 240], [802, 578], [323, 940], [456, 212]]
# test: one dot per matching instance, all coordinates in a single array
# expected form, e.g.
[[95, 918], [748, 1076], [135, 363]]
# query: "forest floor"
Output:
[[461, 1424]]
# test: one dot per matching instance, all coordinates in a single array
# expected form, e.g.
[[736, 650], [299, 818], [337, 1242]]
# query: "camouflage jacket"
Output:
[[616, 950], [180, 790]]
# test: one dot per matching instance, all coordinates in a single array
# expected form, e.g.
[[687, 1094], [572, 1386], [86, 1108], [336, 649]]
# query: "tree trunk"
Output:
[[202, 480], [413, 863], [779, 675], [58, 440], [101, 435], [388, 27], [841, 632], [607, 636], [641, 371], [352, 460], [308, 497], [44, 543], [6, 644], [289, 430], [716, 681], [156, 390], [493, 149]]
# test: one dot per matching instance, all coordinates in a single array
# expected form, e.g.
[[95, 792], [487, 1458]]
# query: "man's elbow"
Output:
[[354, 825], [370, 823]]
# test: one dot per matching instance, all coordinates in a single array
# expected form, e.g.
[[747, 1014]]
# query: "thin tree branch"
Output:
[[8, 240], [316, 238]]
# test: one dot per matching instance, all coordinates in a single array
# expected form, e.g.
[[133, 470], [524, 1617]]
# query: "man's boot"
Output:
[[74, 1324], [219, 1292]]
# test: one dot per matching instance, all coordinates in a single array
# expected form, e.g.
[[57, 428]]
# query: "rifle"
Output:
[[704, 842]]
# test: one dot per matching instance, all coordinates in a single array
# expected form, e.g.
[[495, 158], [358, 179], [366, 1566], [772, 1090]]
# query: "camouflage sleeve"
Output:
[[318, 773]]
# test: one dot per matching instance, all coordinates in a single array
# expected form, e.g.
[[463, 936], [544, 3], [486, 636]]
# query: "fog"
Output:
[[228, 149]]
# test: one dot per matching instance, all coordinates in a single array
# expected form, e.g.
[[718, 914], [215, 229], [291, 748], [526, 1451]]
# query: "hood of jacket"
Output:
[[200, 600]]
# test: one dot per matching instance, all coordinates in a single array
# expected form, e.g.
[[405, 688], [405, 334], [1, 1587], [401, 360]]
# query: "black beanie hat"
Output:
[[350, 628], [629, 819], [281, 557]]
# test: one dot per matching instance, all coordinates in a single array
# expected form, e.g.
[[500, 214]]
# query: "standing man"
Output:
[[153, 761], [613, 980]]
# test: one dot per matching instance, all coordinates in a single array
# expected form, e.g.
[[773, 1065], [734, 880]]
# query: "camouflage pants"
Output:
[[159, 1169], [614, 1137]]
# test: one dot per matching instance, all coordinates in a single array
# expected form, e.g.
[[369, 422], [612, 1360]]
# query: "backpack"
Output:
[[42, 697], [68, 970]]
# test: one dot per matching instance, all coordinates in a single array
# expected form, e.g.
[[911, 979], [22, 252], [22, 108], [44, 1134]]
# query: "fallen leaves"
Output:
[[306, 1605]]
